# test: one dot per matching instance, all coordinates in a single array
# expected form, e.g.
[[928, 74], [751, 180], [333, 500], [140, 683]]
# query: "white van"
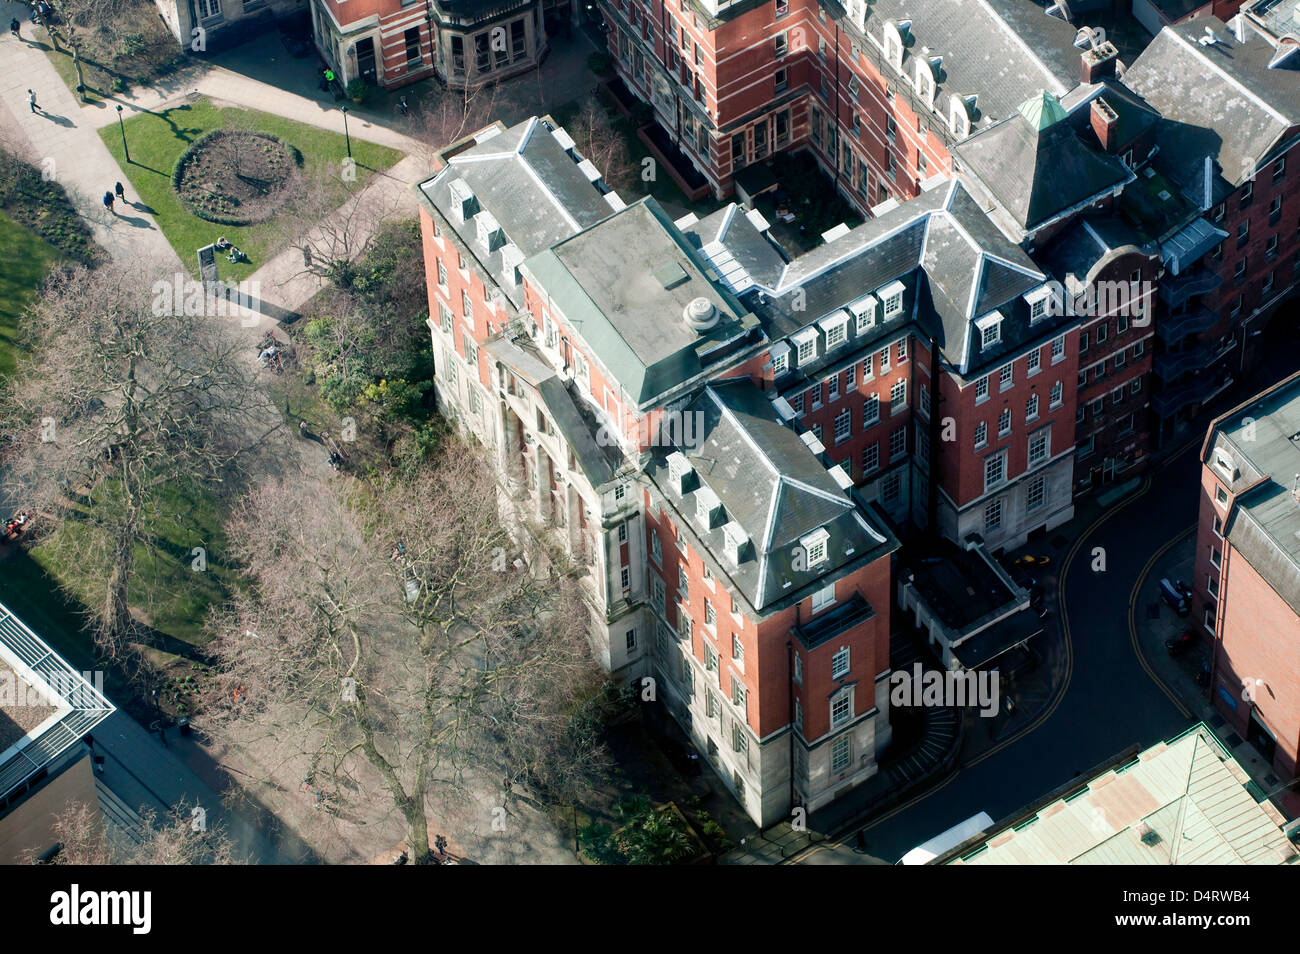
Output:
[[950, 839]]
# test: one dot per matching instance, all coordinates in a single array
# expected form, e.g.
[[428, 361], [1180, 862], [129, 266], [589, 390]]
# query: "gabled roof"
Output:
[[772, 486], [1035, 166], [1219, 100]]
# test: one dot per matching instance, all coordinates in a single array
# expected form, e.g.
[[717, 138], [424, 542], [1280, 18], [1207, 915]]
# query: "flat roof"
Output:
[[958, 585]]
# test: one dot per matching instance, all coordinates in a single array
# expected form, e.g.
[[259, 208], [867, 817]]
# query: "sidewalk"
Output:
[[1155, 622], [62, 139], [139, 771], [286, 286]]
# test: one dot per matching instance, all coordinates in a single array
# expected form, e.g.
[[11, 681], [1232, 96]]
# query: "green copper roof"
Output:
[[1042, 111]]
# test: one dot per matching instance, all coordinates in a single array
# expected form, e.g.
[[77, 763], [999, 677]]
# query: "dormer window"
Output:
[[893, 45], [892, 298], [925, 77], [780, 358], [463, 202], [1038, 301], [836, 329], [708, 508], [511, 259], [990, 329], [1223, 460], [958, 117], [490, 235], [805, 341], [865, 311], [814, 547], [735, 543], [679, 471]]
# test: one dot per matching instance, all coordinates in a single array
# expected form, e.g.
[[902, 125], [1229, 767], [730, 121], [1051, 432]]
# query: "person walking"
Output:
[[14, 27], [31, 101], [108, 201], [119, 191]]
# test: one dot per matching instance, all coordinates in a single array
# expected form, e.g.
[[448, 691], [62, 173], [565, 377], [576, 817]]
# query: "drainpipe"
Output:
[[936, 434], [839, 146], [789, 665]]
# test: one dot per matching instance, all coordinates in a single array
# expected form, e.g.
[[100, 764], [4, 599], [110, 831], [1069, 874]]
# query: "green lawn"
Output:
[[28, 258], [157, 140], [166, 588]]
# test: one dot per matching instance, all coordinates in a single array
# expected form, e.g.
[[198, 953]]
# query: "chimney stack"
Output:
[[1099, 62], [1105, 123]]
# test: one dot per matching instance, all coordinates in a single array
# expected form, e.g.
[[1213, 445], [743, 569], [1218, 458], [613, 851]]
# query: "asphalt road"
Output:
[[1109, 702]]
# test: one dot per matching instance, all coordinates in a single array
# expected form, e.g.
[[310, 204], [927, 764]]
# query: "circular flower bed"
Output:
[[237, 177]]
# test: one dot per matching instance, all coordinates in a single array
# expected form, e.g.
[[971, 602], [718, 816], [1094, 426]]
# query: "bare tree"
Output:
[[594, 134], [398, 648], [332, 235], [455, 114], [137, 391], [73, 17], [170, 840]]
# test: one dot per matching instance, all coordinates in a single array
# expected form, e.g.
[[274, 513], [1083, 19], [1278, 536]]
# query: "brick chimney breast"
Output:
[[1105, 123]]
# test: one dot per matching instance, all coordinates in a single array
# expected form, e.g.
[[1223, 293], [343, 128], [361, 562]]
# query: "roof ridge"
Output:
[[1028, 50]]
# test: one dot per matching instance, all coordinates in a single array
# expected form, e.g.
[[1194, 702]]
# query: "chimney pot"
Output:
[[1105, 123], [1099, 62]]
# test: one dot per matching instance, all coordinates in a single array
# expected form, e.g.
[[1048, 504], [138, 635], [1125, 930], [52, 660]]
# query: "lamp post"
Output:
[[122, 129], [345, 129]]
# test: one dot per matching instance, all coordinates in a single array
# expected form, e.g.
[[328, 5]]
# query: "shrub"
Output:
[[600, 63], [358, 90]]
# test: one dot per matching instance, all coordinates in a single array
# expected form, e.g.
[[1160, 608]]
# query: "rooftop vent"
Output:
[[700, 314], [670, 274]]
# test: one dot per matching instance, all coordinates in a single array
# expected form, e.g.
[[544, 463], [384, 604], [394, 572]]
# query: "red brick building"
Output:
[[1247, 586], [1227, 142], [391, 43], [878, 91]]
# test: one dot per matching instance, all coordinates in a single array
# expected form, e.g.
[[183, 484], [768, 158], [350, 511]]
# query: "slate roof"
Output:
[[1134, 114], [1000, 50], [606, 283], [774, 487], [1222, 101], [1263, 438], [1035, 166], [527, 181], [955, 265]]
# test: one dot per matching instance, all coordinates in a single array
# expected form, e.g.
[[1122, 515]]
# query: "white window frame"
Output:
[[841, 662], [815, 547]]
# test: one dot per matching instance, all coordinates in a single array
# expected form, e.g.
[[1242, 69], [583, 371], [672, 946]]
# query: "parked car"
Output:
[[1175, 596], [1177, 645]]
